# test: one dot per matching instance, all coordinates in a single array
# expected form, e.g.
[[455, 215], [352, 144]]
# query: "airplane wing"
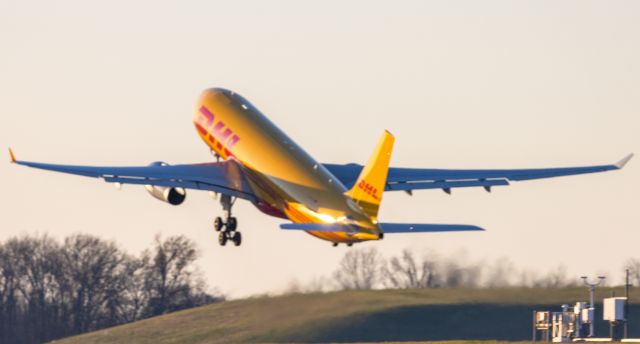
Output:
[[408, 179], [222, 177]]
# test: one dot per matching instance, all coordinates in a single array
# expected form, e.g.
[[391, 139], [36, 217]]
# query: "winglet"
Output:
[[13, 157], [620, 164]]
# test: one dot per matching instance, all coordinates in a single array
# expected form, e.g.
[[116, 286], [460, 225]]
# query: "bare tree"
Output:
[[500, 274], [93, 274], [50, 290], [171, 279], [359, 269], [458, 275], [134, 295], [555, 278], [317, 285], [406, 272], [9, 286], [36, 259], [633, 264]]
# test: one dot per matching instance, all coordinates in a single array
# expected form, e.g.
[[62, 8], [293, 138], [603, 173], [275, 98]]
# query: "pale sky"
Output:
[[461, 84]]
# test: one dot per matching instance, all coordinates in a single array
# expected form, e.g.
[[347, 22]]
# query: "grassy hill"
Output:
[[359, 316]]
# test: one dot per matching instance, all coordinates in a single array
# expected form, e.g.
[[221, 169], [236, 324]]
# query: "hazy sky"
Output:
[[461, 84]]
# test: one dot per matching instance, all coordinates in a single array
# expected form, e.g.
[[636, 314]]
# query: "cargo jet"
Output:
[[261, 164]]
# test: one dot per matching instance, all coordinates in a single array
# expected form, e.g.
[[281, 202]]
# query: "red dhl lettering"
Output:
[[216, 132], [368, 189]]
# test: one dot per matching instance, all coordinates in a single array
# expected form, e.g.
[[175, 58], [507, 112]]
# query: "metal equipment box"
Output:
[[587, 315], [614, 308]]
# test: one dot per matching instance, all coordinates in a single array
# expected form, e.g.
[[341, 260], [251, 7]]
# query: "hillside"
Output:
[[357, 316]]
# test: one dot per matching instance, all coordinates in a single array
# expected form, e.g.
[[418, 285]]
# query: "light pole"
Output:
[[592, 291]]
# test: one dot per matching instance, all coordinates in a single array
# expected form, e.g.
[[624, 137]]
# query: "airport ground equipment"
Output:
[[563, 325], [584, 316], [614, 313], [542, 324], [592, 291], [570, 324]]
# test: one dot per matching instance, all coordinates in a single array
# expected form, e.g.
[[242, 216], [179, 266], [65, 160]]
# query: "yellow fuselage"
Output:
[[286, 181]]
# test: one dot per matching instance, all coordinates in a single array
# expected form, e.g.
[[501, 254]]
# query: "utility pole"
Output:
[[592, 305], [626, 304]]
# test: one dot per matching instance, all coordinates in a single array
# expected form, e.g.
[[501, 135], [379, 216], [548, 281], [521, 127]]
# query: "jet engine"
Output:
[[171, 195]]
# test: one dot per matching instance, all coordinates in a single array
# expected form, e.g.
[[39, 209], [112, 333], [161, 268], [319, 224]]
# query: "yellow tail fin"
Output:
[[368, 189]]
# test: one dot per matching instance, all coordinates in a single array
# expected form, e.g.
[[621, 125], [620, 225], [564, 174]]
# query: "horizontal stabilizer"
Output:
[[423, 227], [385, 227]]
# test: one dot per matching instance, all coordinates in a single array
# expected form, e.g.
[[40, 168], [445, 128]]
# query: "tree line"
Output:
[[51, 289], [367, 268]]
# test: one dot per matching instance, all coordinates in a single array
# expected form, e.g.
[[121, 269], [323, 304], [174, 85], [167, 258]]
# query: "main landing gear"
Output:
[[227, 227], [335, 244]]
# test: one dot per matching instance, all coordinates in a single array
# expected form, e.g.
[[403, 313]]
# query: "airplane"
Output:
[[261, 164]]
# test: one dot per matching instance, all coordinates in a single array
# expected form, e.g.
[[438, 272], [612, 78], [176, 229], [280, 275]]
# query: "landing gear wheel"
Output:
[[222, 238], [232, 224], [218, 224], [350, 244], [335, 244], [237, 238], [226, 225]]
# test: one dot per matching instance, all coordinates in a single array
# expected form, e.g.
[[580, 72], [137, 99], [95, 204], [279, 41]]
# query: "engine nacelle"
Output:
[[174, 196], [171, 195]]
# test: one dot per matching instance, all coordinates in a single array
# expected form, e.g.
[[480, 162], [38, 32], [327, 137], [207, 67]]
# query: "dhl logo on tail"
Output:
[[369, 189]]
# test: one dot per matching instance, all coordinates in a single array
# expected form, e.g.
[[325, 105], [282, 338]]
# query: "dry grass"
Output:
[[324, 317]]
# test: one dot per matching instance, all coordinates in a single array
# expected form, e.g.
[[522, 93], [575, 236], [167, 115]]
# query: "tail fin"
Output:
[[368, 189]]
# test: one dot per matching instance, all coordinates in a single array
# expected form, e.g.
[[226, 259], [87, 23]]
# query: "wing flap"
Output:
[[183, 184], [405, 186]]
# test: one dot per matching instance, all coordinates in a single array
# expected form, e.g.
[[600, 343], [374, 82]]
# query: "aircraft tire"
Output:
[[237, 238], [222, 238], [218, 224]]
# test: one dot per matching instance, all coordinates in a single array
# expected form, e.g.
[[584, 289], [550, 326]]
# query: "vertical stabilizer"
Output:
[[368, 189]]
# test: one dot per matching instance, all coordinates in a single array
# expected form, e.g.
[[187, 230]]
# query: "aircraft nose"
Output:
[[219, 91], [211, 96]]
